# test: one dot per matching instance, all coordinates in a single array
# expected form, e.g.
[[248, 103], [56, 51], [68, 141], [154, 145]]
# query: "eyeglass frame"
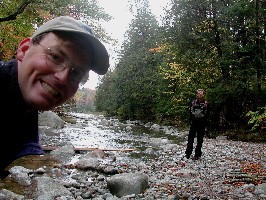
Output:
[[66, 64]]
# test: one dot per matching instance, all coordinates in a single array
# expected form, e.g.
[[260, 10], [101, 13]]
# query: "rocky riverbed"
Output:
[[227, 170]]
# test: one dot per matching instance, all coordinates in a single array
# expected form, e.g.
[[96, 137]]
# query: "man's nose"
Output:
[[63, 75]]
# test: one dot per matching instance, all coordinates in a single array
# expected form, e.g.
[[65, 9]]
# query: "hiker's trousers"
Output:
[[197, 129]]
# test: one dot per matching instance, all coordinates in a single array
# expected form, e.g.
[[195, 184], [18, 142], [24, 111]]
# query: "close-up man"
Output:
[[47, 71]]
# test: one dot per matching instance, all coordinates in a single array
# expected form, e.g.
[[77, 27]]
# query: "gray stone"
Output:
[[127, 183], [50, 119]]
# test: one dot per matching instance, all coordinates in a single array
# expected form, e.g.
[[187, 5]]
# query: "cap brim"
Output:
[[100, 63]]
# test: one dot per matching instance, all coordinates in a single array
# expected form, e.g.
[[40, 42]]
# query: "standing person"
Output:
[[46, 72], [199, 113]]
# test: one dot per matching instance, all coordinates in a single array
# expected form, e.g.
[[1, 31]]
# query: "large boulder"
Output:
[[50, 119], [127, 183]]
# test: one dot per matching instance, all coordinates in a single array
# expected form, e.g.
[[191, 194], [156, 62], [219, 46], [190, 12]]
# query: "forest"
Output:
[[217, 45]]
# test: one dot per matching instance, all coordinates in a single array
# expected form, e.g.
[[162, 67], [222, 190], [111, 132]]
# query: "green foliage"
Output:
[[257, 118], [106, 94], [21, 25]]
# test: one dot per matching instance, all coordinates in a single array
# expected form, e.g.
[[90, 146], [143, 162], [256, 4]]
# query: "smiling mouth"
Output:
[[49, 89]]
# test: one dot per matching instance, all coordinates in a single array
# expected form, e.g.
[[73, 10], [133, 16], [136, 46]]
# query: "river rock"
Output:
[[48, 188], [50, 119], [127, 184]]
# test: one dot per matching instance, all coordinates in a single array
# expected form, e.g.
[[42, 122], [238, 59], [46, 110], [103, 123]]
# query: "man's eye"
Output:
[[56, 58]]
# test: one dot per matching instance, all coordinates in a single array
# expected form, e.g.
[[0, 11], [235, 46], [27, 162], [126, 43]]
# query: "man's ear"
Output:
[[22, 48]]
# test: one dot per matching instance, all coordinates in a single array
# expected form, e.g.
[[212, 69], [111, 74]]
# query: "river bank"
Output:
[[227, 170]]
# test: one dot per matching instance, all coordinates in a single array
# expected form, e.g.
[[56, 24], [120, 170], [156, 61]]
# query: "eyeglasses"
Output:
[[58, 62]]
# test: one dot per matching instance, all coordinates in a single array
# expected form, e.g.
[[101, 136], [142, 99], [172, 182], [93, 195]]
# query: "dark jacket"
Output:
[[199, 110], [19, 128]]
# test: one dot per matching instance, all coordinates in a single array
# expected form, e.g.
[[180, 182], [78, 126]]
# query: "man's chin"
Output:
[[41, 106]]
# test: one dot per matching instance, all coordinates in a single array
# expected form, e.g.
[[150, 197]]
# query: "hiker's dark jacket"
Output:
[[199, 111], [19, 128]]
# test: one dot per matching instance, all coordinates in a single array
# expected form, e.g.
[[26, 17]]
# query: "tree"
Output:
[[19, 18], [136, 75]]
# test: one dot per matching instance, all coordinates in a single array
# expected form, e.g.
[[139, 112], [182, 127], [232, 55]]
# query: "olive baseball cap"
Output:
[[100, 63]]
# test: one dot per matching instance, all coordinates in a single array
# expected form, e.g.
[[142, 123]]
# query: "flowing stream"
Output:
[[96, 131]]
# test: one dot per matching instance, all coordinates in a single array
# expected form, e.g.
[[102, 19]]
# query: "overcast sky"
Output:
[[118, 25]]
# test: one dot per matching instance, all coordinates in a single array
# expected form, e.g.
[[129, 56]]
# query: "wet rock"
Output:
[[159, 141], [155, 127], [128, 128], [20, 175], [6, 194], [87, 163], [105, 122], [63, 153], [97, 153], [48, 188], [110, 170]]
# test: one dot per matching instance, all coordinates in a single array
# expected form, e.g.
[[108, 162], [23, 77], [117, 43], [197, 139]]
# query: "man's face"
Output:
[[42, 86], [200, 94]]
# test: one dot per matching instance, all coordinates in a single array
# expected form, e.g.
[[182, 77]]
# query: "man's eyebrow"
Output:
[[58, 49]]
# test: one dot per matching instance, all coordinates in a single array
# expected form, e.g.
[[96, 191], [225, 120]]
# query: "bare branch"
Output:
[[18, 11]]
